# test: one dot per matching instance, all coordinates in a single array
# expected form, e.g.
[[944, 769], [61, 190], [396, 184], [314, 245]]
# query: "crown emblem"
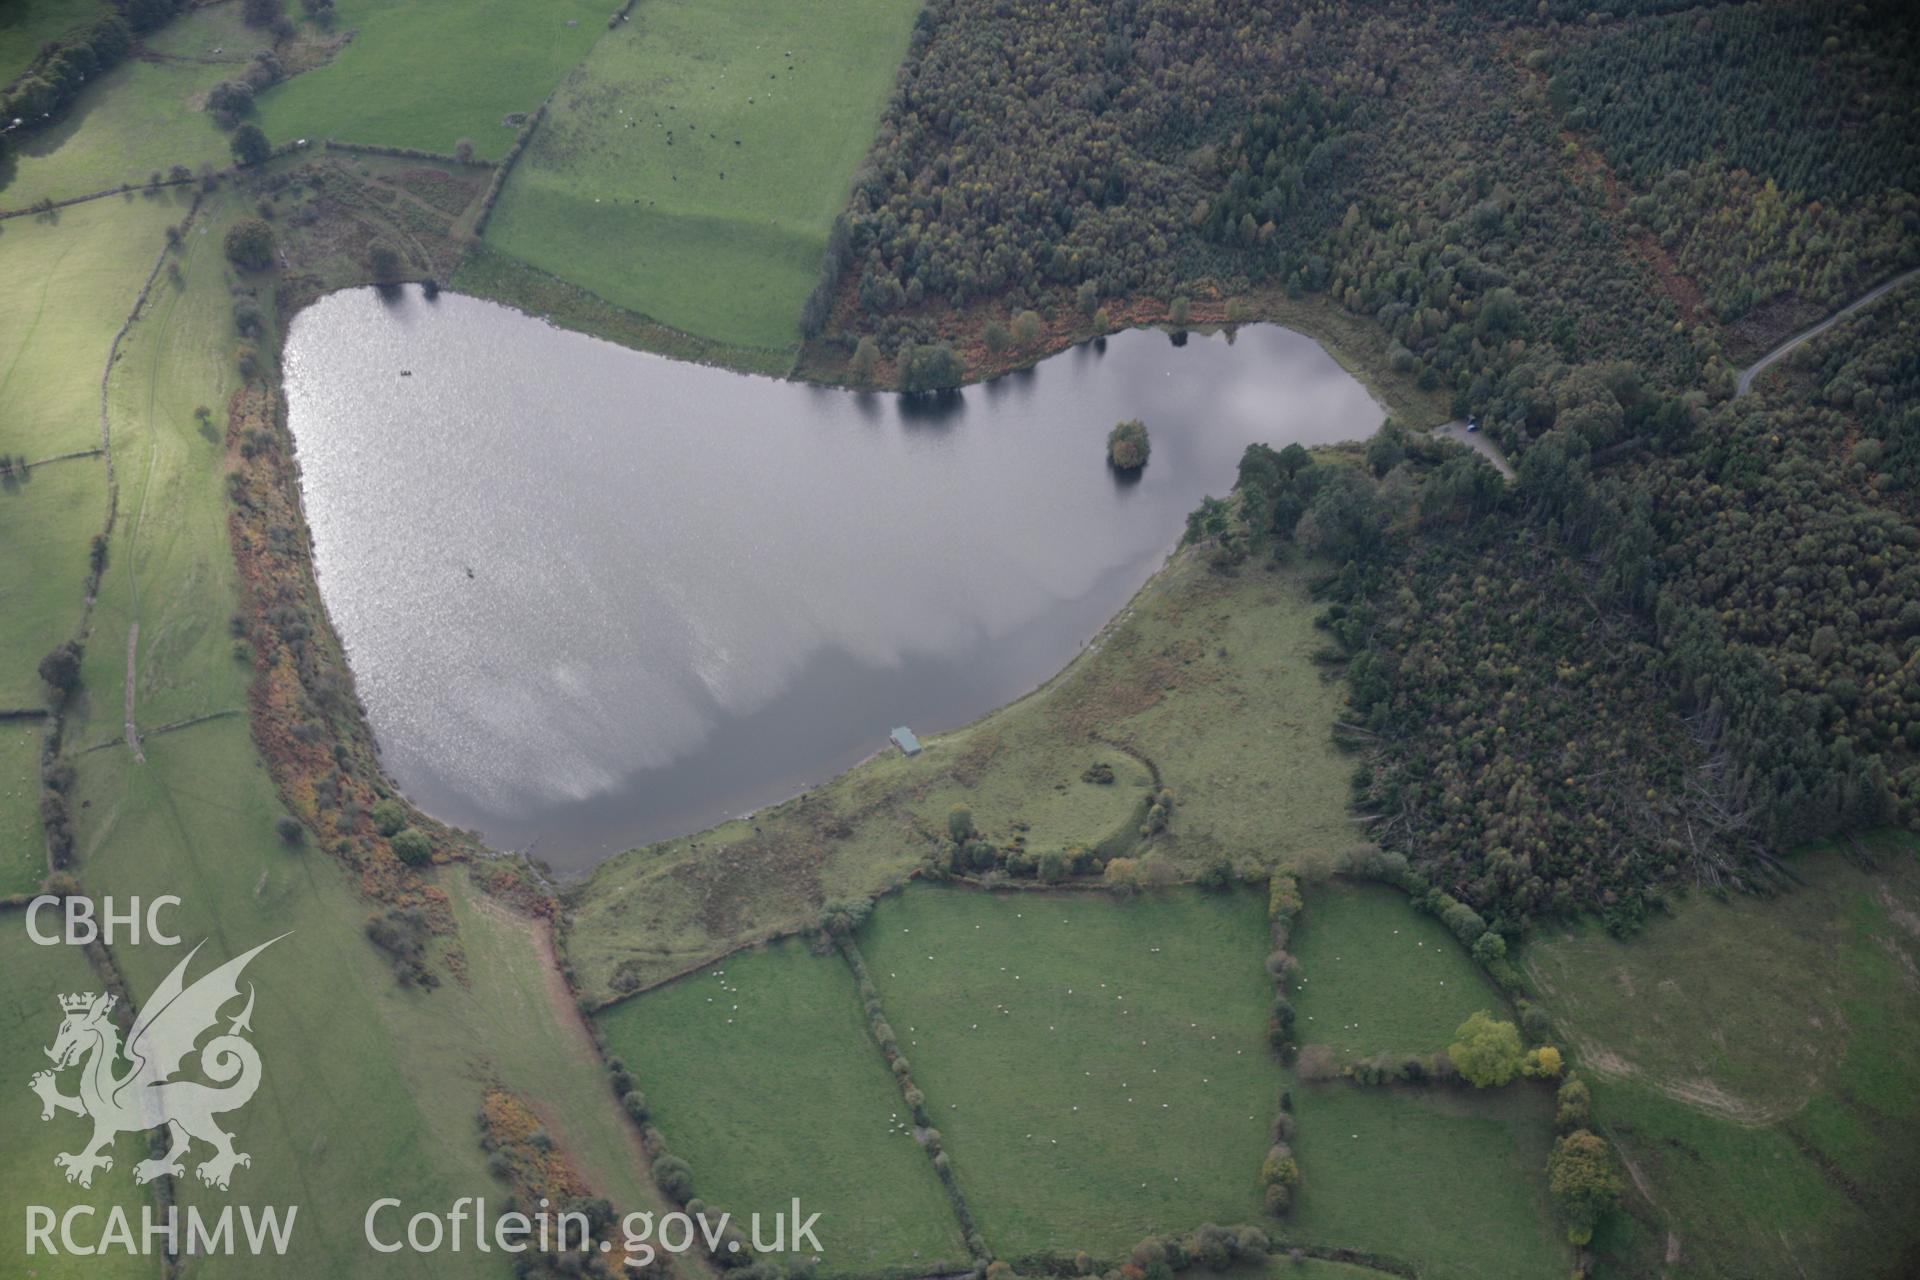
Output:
[[80, 1000]]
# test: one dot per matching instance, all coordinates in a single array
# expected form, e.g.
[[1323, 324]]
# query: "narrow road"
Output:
[[1758, 367]]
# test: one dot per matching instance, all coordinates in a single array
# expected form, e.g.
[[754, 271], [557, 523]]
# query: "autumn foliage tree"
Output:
[[1486, 1051], [1584, 1183]]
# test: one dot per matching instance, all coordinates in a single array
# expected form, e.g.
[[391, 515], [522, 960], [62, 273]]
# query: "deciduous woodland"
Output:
[[1437, 869]]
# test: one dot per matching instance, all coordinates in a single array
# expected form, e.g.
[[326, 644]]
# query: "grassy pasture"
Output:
[[1211, 678], [79, 271], [763, 1077], [1755, 1062], [356, 1093], [29, 1017], [663, 914], [366, 1085], [426, 73], [73, 275], [25, 25], [719, 232], [143, 115], [1452, 1179], [46, 523], [1378, 975], [1283, 1268], [1098, 1068], [23, 851], [169, 567]]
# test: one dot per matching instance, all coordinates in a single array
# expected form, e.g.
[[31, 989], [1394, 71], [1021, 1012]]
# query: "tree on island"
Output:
[[1127, 445]]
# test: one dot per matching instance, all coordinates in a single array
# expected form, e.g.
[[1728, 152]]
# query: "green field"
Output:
[[720, 232], [367, 1084], [1450, 1178], [46, 522], [168, 570], [426, 73], [646, 915], [77, 274], [1211, 678], [23, 850], [29, 1019], [1098, 1069], [1464, 1170], [1755, 1062], [25, 25], [1284, 1268], [81, 272], [1377, 975], [144, 115], [763, 1077]]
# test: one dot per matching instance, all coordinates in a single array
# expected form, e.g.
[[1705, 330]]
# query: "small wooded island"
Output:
[[1127, 445]]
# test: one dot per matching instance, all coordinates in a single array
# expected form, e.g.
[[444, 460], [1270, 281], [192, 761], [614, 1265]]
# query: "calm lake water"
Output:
[[595, 598]]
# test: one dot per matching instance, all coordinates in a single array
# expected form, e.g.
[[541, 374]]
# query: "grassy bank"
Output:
[[1207, 677], [690, 168], [485, 272]]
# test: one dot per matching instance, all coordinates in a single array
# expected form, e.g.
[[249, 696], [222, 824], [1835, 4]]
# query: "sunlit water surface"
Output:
[[594, 598]]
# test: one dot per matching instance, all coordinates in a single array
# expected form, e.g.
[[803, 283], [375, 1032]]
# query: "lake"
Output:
[[595, 598]]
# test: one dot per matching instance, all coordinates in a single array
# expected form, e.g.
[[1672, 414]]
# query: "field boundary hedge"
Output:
[[504, 169], [406, 153], [925, 1133]]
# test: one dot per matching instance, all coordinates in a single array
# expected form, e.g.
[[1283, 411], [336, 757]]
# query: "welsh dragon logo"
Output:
[[144, 1095]]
